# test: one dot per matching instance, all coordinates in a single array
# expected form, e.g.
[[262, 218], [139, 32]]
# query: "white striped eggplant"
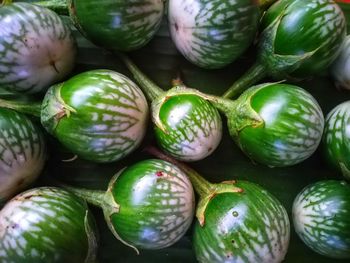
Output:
[[47, 224], [336, 138], [37, 48], [186, 126], [99, 115], [22, 152], [341, 67], [273, 123], [213, 33], [149, 205], [117, 24], [321, 216], [237, 221], [294, 46]]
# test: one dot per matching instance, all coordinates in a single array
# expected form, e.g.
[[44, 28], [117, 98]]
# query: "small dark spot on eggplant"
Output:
[[20, 182], [209, 149], [176, 27], [232, 241], [235, 213], [15, 226], [159, 174], [229, 255]]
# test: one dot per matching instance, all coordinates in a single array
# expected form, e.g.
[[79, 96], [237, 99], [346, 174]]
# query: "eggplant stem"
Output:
[[31, 108], [151, 89], [252, 76], [94, 197]]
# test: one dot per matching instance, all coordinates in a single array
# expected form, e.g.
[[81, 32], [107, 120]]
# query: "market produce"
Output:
[[47, 224], [213, 33], [237, 221], [336, 138], [321, 216], [99, 115], [37, 48], [186, 126], [341, 67], [22, 152], [148, 205], [117, 24], [299, 38]]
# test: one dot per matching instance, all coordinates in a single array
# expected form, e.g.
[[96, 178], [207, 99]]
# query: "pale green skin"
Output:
[[321, 216], [37, 48], [47, 224], [336, 138], [22, 152], [213, 33]]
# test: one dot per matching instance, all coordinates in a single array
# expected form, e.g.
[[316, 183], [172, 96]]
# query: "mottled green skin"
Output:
[[252, 226], [37, 48], [47, 225], [192, 127], [340, 69], [147, 217], [117, 24], [290, 127], [22, 152], [213, 33], [293, 28], [321, 216], [100, 115], [336, 138]]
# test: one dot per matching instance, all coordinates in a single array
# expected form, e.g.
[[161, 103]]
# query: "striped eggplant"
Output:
[[100, 115], [213, 33], [274, 124], [238, 221], [186, 126], [293, 45], [340, 69], [47, 224], [22, 152], [117, 24], [149, 205], [37, 48], [336, 138], [321, 216]]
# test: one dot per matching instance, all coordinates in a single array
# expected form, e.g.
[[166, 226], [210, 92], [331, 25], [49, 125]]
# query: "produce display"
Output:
[[37, 48], [71, 116], [47, 224]]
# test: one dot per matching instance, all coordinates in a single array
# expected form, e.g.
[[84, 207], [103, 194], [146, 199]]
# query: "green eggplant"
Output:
[[117, 24], [213, 33], [148, 205], [37, 48], [299, 38], [47, 224], [321, 216]]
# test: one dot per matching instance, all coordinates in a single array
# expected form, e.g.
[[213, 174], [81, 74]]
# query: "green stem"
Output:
[[205, 189], [264, 4], [95, 197], [31, 108], [6, 2], [58, 6], [151, 89], [252, 76]]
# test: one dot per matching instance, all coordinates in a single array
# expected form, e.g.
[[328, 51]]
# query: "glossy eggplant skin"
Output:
[[336, 138], [301, 38], [117, 24], [284, 128], [251, 226]]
